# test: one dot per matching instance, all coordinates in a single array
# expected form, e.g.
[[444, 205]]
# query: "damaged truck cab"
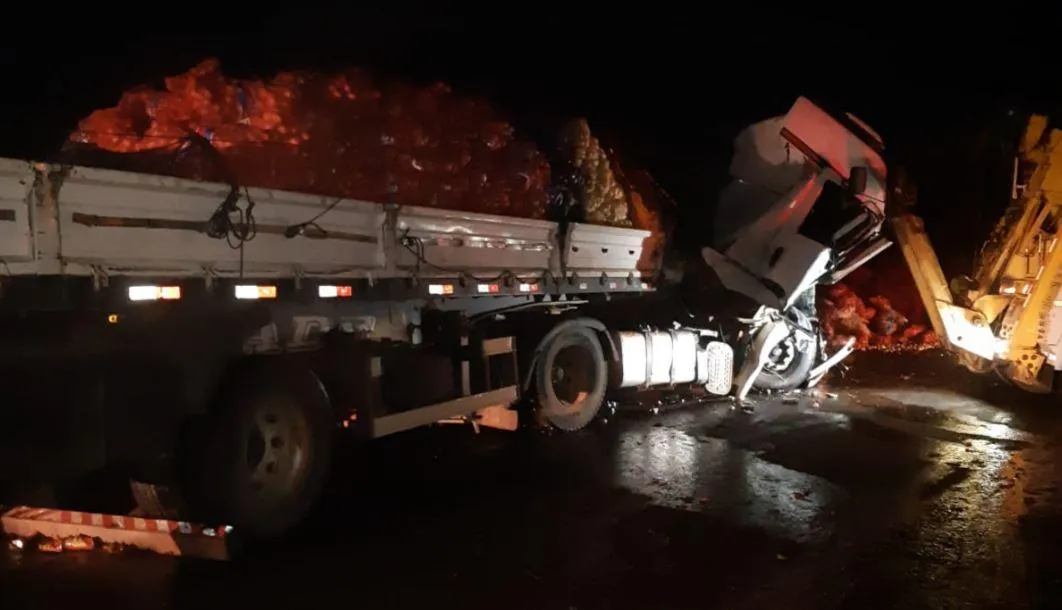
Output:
[[805, 207]]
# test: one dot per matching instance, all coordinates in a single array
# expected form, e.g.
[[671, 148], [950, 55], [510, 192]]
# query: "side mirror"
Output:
[[857, 180]]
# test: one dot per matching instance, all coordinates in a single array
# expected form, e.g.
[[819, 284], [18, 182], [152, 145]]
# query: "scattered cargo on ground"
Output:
[[874, 322]]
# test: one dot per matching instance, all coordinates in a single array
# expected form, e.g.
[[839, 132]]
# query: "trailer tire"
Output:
[[266, 450], [575, 359]]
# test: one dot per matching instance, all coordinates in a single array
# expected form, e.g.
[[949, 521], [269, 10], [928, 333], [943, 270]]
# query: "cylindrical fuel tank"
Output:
[[654, 358]]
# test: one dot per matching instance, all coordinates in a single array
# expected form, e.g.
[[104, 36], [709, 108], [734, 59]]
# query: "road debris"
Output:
[[75, 543], [80, 542]]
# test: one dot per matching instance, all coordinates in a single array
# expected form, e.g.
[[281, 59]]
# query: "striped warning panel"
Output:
[[160, 535], [140, 524]]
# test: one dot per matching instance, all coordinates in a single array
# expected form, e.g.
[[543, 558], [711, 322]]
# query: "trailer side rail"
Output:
[[81, 221]]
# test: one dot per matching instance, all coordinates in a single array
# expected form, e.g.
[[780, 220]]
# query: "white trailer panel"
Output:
[[82, 220]]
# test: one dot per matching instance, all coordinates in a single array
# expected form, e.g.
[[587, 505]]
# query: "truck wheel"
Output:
[[571, 377], [788, 365], [267, 451]]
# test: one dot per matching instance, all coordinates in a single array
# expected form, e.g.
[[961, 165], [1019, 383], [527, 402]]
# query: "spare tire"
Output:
[[571, 377]]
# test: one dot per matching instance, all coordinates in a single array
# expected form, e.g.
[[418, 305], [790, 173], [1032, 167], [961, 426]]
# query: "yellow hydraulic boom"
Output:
[[1005, 321]]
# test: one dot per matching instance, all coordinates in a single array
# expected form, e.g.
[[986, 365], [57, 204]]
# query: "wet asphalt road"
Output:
[[917, 486]]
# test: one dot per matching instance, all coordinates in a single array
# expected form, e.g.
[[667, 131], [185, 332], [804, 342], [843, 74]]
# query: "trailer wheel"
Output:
[[571, 377], [267, 451], [788, 364]]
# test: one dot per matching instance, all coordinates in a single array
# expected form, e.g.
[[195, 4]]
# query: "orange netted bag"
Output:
[[336, 134], [878, 325]]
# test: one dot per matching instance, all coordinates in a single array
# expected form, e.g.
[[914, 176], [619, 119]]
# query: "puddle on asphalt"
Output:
[[945, 403], [676, 470], [783, 464], [954, 479], [930, 413]]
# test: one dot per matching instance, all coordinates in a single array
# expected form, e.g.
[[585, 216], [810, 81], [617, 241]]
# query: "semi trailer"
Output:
[[227, 338]]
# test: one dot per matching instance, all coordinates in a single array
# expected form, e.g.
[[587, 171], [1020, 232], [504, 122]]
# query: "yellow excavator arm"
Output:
[[1004, 322], [959, 328]]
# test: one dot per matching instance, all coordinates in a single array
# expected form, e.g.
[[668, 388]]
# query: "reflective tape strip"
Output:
[[159, 535], [142, 524]]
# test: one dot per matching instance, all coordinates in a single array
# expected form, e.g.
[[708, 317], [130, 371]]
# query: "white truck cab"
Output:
[[806, 203], [805, 206]]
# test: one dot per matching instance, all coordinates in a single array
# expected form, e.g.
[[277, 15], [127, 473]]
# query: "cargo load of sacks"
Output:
[[345, 135]]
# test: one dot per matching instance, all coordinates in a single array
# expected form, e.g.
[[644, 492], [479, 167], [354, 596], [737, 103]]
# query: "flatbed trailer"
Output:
[[224, 337]]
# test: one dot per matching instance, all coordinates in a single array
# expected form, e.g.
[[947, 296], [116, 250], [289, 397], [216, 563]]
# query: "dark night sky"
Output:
[[672, 87]]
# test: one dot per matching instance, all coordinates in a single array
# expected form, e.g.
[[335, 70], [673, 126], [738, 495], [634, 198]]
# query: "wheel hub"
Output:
[[572, 377], [783, 355], [277, 446]]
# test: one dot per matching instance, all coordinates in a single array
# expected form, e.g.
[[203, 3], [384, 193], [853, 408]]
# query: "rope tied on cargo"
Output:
[[238, 232], [232, 223], [235, 224], [299, 228]]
